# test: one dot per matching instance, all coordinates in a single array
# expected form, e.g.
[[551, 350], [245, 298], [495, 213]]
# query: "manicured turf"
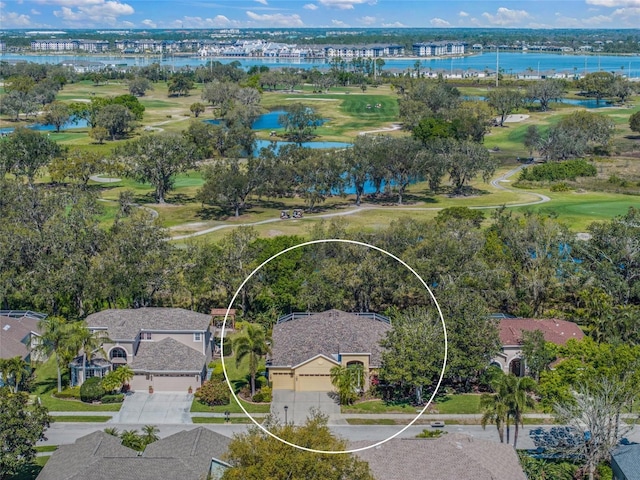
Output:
[[220, 420], [46, 384], [80, 419]]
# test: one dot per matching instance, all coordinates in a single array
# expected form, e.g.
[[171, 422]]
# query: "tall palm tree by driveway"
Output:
[[254, 345]]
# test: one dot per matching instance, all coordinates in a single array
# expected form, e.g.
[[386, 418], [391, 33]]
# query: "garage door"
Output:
[[313, 383], [168, 383]]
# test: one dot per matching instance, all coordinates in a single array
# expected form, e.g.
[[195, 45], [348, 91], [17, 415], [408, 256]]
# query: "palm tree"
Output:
[[56, 339], [519, 399], [495, 411], [18, 370], [348, 381], [87, 342], [255, 345], [112, 431], [150, 434]]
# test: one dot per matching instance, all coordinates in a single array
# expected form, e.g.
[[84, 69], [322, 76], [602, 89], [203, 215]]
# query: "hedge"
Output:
[[552, 171]]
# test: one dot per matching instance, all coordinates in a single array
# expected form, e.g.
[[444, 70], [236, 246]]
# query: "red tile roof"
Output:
[[555, 331]]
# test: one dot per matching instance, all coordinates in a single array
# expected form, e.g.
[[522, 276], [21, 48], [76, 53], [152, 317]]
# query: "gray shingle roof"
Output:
[[79, 458], [197, 445], [12, 333], [185, 455], [167, 355], [451, 457], [125, 324], [627, 457], [328, 333]]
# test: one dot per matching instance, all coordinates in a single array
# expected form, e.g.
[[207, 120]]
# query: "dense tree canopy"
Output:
[[255, 455]]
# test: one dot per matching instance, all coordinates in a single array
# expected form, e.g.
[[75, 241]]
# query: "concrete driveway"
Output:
[[300, 403], [155, 408]]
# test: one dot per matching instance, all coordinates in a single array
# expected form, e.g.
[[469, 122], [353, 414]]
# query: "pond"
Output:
[[586, 102], [43, 127], [260, 144], [266, 121]]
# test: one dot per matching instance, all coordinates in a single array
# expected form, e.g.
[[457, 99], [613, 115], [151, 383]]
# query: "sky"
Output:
[[338, 14]]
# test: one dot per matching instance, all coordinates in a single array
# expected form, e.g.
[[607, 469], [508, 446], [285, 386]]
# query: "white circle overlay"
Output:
[[314, 242]]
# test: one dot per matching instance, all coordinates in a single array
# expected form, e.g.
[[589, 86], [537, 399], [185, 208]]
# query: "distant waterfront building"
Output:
[[93, 46], [438, 49], [368, 51], [54, 45], [3, 46]]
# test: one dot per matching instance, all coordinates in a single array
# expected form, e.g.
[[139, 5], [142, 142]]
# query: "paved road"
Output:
[[64, 433]]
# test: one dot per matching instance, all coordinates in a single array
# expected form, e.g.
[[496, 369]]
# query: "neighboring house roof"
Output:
[[328, 333], [627, 459], [15, 335], [555, 331], [451, 457], [190, 445], [79, 458], [185, 455], [167, 355], [126, 324]]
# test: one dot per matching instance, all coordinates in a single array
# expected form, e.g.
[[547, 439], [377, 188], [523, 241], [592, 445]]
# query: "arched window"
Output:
[[118, 355]]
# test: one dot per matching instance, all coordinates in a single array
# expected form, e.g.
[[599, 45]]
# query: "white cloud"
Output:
[[35, 12], [277, 19], [367, 20], [506, 17], [93, 11], [394, 25], [149, 23], [345, 4], [439, 22], [15, 20], [463, 14], [630, 17], [615, 3], [263, 2], [338, 23], [199, 22], [311, 6]]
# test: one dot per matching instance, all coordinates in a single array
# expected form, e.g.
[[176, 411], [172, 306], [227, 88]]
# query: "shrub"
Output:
[[560, 187], [262, 396], [70, 392], [92, 390], [616, 180], [430, 433], [568, 170], [218, 371], [118, 398], [213, 392]]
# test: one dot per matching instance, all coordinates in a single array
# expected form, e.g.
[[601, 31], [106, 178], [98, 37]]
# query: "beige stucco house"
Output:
[[510, 357], [306, 346], [20, 335], [167, 348]]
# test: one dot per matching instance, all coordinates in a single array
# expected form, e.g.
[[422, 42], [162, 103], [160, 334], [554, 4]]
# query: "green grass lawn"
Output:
[[80, 418], [220, 420], [449, 404], [32, 470], [45, 385], [46, 448]]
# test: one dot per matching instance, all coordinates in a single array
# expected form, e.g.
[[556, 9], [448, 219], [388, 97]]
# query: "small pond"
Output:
[[41, 127], [266, 121]]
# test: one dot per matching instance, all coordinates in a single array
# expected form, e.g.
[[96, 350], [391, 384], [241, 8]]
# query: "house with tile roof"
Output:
[[168, 349], [306, 346], [625, 462], [187, 455], [450, 457], [510, 357]]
